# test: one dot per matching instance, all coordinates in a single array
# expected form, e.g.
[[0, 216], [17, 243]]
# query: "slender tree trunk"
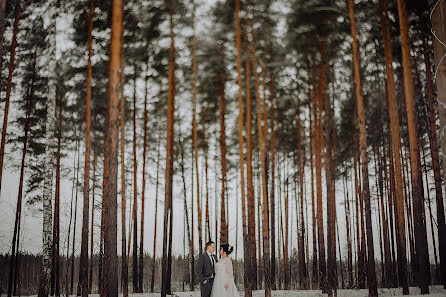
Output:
[[420, 235], [56, 226], [135, 197], [143, 194], [152, 281], [16, 234], [50, 126], [348, 228], [246, 251], [319, 147], [167, 240], [438, 12], [194, 130], [251, 203], [223, 221], [265, 219], [67, 287], [83, 271], [371, 272], [111, 153], [90, 278], [273, 189], [74, 225], [302, 265], [124, 260], [313, 97], [10, 74]]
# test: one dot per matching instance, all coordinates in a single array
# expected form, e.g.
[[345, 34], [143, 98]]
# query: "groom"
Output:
[[206, 269]]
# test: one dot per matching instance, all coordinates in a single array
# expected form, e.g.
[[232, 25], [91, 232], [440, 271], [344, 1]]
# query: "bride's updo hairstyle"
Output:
[[227, 248]]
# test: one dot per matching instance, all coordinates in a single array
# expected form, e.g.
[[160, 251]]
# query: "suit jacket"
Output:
[[204, 267]]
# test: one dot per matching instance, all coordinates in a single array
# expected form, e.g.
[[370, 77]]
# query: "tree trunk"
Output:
[[74, 225], [83, 271], [143, 194], [315, 274], [16, 234], [10, 74], [262, 146], [124, 259], [272, 191], [50, 127], [223, 221], [135, 197], [252, 274], [76, 152], [152, 281], [302, 265], [246, 251], [90, 278], [111, 153], [438, 12], [56, 226], [168, 224], [371, 272], [420, 235], [319, 147]]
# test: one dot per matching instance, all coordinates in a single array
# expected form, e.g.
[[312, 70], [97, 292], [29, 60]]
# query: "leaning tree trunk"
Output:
[[50, 127], [371, 272], [438, 13], [168, 215], [246, 251], [395, 129], [417, 199], [10, 73], [111, 153], [83, 271]]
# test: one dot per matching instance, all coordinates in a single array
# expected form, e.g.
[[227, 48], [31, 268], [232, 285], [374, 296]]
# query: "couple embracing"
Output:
[[216, 276]]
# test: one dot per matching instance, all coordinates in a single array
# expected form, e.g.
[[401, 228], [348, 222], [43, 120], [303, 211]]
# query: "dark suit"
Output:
[[205, 272]]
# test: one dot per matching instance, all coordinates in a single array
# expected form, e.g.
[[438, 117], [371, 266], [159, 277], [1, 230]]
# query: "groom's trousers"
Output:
[[206, 288]]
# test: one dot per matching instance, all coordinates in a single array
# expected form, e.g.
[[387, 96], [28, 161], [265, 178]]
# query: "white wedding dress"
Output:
[[224, 276]]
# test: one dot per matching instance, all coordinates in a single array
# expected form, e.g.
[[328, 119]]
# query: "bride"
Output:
[[224, 285]]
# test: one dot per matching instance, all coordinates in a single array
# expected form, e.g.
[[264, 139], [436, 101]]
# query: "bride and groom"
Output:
[[216, 277]]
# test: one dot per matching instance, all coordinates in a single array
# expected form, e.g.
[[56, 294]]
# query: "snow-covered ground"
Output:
[[435, 291]]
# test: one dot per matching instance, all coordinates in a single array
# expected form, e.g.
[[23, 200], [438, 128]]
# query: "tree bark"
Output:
[[223, 221], [135, 197], [50, 126], [111, 153], [90, 278], [273, 189], [168, 215]]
